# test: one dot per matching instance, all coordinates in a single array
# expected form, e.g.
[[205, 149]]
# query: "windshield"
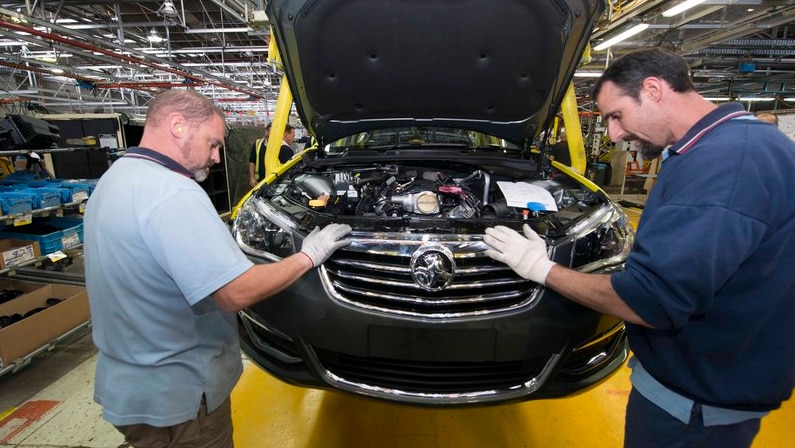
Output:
[[420, 137]]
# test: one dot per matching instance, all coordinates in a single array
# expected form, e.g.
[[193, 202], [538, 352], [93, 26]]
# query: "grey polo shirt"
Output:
[[155, 250]]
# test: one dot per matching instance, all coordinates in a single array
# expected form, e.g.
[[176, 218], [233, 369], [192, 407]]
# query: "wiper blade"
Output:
[[420, 145]]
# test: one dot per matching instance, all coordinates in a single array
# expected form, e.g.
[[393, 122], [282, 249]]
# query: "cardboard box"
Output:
[[16, 252], [27, 335], [21, 287]]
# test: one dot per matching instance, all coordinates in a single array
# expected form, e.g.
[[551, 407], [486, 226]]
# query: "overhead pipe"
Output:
[[89, 47], [144, 84], [207, 77], [64, 48], [236, 14], [749, 24]]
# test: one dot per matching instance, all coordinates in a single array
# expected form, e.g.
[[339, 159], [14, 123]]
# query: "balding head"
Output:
[[195, 107], [187, 127], [768, 117]]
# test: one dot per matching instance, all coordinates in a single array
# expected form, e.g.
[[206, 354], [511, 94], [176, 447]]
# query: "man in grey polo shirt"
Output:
[[165, 278]]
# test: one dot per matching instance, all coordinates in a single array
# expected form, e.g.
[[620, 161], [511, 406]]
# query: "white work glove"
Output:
[[526, 256], [320, 244]]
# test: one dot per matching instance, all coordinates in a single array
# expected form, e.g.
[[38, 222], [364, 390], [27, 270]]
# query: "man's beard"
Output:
[[201, 175], [648, 150]]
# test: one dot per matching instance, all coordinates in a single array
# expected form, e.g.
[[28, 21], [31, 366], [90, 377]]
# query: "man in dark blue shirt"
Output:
[[708, 292]]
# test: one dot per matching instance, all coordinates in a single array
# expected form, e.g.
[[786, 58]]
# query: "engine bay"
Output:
[[419, 198]]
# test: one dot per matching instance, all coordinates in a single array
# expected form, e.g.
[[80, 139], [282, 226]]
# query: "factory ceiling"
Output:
[[114, 55]]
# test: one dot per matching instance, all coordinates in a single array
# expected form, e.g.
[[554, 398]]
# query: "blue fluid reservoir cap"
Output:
[[536, 206]]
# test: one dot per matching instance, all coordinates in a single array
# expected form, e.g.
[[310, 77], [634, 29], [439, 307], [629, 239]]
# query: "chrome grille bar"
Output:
[[375, 272], [411, 285], [436, 301], [407, 270]]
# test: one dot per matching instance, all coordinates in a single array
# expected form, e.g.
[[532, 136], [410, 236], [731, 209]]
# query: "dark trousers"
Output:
[[207, 430], [649, 426]]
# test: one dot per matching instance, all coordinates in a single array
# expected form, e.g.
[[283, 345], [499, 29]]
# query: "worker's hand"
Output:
[[320, 244], [526, 255], [252, 182]]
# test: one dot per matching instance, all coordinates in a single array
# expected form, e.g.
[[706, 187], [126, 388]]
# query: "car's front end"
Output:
[[412, 311]]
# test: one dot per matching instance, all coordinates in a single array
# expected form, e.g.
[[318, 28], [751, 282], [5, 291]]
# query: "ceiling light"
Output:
[[625, 35], [240, 29], [789, 99], [57, 71], [154, 37], [684, 6], [579, 74], [168, 9], [716, 98], [750, 99]]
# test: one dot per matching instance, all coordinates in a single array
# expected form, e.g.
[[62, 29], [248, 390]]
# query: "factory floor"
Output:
[[48, 404]]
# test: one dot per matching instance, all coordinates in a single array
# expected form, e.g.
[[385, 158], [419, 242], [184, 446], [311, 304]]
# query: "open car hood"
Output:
[[500, 67]]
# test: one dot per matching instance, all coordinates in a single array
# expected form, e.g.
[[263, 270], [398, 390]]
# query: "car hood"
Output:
[[499, 66]]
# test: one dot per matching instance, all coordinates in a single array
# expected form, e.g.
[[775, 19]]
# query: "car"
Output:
[[426, 114]]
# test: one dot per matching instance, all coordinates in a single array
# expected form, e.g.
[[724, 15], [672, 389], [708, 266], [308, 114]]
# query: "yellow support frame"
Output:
[[280, 115], [571, 121]]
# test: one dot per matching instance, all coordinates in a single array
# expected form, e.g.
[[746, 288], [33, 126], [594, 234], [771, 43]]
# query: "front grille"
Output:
[[375, 272], [430, 377]]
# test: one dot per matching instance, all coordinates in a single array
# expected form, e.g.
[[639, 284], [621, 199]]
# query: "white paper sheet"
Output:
[[518, 194]]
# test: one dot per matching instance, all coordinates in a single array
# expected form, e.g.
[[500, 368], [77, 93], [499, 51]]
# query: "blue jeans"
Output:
[[648, 426]]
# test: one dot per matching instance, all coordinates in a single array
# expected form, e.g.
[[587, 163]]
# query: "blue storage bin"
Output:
[[48, 243], [20, 176], [16, 202], [14, 184], [44, 197], [91, 183], [75, 192], [70, 227], [64, 194]]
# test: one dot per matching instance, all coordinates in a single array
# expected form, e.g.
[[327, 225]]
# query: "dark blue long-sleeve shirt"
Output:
[[713, 267]]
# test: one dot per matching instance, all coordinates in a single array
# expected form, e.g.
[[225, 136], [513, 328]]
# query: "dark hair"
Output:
[[288, 127], [195, 107], [629, 71]]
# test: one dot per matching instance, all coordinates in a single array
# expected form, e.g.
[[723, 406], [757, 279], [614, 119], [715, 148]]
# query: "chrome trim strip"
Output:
[[396, 244], [248, 250], [434, 301], [406, 270], [269, 349], [412, 285], [484, 396], [604, 336]]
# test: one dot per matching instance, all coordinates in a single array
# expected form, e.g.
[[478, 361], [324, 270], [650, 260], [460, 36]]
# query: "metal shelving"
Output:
[[55, 210]]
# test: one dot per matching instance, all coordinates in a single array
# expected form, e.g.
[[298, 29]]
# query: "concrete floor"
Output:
[[48, 405]]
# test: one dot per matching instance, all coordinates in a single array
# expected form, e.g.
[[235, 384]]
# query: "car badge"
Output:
[[432, 267]]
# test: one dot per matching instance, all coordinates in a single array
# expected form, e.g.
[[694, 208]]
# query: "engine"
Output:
[[392, 192], [389, 192]]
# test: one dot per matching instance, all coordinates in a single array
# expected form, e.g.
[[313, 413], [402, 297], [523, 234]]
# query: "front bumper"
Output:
[[548, 348]]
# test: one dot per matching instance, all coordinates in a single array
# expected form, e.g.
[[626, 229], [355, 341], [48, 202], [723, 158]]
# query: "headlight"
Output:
[[602, 240], [263, 231]]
